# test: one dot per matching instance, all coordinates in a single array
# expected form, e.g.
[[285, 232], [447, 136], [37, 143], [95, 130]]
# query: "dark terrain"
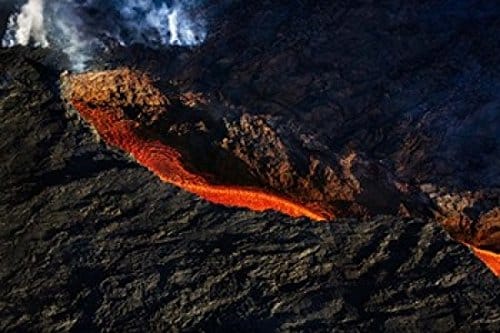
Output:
[[91, 241], [412, 88]]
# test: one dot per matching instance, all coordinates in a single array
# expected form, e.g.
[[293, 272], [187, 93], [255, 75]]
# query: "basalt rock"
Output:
[[250, 147], [345, 108], [92, 241], [410, 90], [267, 154]]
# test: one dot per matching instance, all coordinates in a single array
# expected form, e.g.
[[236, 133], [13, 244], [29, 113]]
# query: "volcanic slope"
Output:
[[412, 89], [93, 241], [183, 146]]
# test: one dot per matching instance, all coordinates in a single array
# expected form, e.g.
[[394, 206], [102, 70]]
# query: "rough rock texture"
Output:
[[129, 110], [412, 88], [132, 91], [123, 123], [219, 148], [92, 241]]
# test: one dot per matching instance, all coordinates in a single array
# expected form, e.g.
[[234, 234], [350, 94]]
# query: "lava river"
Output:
[[165, 161]]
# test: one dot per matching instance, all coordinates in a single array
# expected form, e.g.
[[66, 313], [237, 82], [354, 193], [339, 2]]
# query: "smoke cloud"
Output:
[[27, 25], [80, 28]]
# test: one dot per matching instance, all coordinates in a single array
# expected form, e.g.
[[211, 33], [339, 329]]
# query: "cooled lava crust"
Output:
[[243, 163], [123, 106], [388, 107], [92, 241]]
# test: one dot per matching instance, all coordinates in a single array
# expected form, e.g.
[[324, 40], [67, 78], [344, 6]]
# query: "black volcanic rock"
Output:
[[411, 87], [93, 242]]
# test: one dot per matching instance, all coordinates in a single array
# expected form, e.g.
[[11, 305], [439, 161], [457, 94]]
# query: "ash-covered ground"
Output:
[[91, 241]]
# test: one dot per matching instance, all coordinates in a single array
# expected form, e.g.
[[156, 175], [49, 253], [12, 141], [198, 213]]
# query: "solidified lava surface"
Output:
[[129, 112], [104, 99], [379, 115], [373, 109], [92, 241]]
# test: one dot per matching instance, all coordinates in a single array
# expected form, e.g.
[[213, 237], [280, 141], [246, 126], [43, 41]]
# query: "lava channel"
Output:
[[166, 162], [93, 101], [490, 259]]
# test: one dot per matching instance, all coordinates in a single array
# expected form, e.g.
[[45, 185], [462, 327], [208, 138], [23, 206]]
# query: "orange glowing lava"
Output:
[[491, 259], [100, 98], [166, 163]]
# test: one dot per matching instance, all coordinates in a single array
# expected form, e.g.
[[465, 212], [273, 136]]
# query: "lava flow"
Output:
[[490, 259], [167, 164], [104, 100]]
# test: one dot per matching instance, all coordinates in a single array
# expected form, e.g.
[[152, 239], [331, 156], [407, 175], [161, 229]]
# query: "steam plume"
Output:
[[27, 26], [81, 27]]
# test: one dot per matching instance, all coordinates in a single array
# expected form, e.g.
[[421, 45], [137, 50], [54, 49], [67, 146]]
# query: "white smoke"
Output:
[[27, 26], [182, 30], [80, 28]]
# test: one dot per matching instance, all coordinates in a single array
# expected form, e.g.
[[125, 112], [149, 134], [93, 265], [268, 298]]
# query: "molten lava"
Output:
[[102, 99], [491, 259], [167, 164]]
